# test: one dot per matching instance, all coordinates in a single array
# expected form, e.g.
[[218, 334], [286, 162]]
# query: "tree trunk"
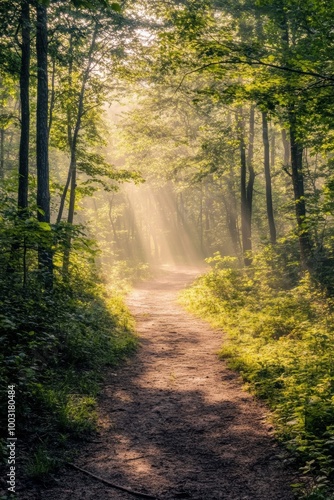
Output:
[[243, 193], [251, 173], [246, 187], [287, 149], [23, 180], [69, 135], [272, 147], [231, 220], [2, 153], [72, 174], [71, 179], [73, 138], [200, 219], [53, 95], [25, 108], [116, 239], [42, 160], [269, 199], [299, 194]]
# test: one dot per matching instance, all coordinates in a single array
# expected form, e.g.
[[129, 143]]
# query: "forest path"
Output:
[[174, 421]]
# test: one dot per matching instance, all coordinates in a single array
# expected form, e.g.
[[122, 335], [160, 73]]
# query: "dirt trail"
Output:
[[174, 421]]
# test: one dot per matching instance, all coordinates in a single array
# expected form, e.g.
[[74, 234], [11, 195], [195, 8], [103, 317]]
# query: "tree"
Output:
[[266, 161], [246, 186], [25, 107], [42, 139], [276, 43]]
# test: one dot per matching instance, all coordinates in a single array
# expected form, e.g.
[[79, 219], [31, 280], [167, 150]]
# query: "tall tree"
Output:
[[25, 106], [42, 146], [297, 175], [73, 135], [269, 197], [247, 185]]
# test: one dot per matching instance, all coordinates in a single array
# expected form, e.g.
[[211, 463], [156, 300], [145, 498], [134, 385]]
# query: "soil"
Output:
[[174, 421]]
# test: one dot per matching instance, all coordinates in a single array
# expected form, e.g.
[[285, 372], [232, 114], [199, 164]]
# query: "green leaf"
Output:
[[116, 7], [45, 226]]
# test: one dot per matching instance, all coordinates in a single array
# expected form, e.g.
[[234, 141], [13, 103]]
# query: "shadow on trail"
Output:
[[177, 443], [174, 421]]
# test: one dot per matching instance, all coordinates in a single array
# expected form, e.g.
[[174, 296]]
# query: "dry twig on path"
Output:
[[113, 485]]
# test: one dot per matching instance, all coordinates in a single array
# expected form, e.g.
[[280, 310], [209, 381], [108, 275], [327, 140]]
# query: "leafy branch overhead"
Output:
[[100, 172]]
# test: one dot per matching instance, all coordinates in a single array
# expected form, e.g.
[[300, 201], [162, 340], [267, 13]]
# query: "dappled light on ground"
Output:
[[180, 424]]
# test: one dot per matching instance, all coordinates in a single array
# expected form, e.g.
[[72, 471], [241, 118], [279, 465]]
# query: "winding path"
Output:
[[174, 421]]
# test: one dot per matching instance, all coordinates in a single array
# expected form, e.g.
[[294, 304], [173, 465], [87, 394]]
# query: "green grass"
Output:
[[281, 340]]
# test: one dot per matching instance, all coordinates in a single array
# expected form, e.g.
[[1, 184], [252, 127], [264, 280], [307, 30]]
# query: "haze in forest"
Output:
[[137, 134]]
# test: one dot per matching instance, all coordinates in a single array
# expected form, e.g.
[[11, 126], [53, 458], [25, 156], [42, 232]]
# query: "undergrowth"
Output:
[[54, 347], [280, 337]]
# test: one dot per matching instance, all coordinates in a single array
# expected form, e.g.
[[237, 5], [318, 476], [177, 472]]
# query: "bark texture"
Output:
[[269, 197], [25, 107], [42, 147], [297, 175]]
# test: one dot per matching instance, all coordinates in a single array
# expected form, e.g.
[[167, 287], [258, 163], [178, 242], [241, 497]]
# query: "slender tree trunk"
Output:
[[71, 179], [2, 153], [231, 221], [9, 145], [25, 108], [246, 187], [53, 95], [71, 207], [243, 192], [43, 194], [207, 209], [201, 219], [73, 138], [269, 199], [77, 128], [69, 135], [23, 180], [287, 149], [2, 146], [251, 172], [272, 147], [112, 222], [42, 160], [11, 134], [63, 196], [72, 174], [297, 175]]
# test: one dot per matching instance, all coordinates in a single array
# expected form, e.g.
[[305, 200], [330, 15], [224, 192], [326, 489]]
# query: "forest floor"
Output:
[[174, 421]]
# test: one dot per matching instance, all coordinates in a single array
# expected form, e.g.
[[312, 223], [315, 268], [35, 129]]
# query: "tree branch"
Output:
[[254, 62]]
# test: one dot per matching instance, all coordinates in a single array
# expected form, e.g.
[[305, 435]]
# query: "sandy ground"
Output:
[[174, 421]]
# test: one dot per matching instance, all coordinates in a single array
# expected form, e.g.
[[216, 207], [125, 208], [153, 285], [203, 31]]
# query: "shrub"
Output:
[[282, 341]]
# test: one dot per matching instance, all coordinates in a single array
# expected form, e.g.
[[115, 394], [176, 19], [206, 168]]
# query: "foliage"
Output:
[[55, 344], [281, 339], [197, 77]]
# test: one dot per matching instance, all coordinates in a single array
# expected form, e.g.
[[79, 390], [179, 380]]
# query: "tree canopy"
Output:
[[139, 133]]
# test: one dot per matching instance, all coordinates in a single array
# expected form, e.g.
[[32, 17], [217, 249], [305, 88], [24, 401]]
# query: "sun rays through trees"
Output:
[[136, 134]]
